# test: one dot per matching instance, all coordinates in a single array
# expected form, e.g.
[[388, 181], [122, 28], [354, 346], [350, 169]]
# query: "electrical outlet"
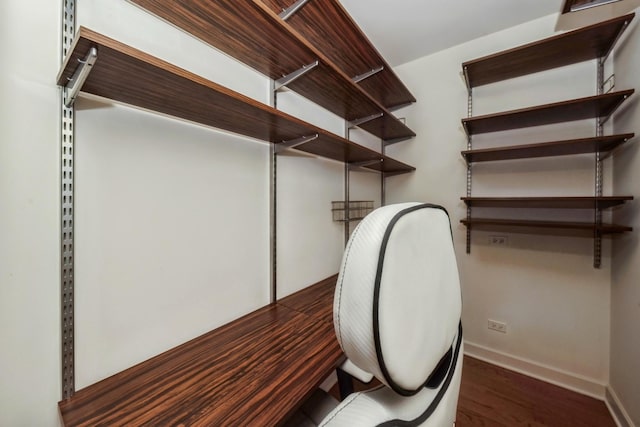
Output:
[[494, 325], [498, 240]]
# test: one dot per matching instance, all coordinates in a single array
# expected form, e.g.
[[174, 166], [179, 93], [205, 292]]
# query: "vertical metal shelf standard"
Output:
[[67, 214], [597, 237], [469, 148]]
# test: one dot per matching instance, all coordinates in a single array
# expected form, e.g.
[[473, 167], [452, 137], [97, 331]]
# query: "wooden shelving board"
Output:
[[594, 41], [547, 149], [565, 111], [330, 28], [255, 35], [584, 226], [124, 74], [603, 202], [253, 371]]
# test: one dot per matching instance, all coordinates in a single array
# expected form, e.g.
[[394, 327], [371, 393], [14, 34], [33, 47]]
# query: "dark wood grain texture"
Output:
[[312, 301], [491, 396], [548, 149], [127, 75], [583, 44], [253, 371], [330, 28], [255, 35], [494, 396], [589, 227], [603, 202], [575, 109]]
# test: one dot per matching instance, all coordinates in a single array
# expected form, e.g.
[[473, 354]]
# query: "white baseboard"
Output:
[[579, 384], [620, 415]]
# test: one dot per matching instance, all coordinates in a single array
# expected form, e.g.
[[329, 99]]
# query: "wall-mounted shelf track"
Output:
[[594, 41], [588, 227], [600, 144], [328, 27], [127, 75], [254, 34], [576, 109]]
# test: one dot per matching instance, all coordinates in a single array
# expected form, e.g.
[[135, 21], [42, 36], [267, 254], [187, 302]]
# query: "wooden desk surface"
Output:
[[253, 371]]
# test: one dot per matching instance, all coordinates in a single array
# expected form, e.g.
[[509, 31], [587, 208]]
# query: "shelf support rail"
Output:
[[370, 73], [67, 310], [597, 237], [273, 207], [291, 10], [469, 165], [293, 76], [287, 145], [347, 170], [75, 83]]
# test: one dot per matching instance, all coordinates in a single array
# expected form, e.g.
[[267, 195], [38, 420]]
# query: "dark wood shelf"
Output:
[[252, 371], [575, 109], [603, 202], [124, 74], [330, 28], [254, 34], [584, 226], [548, 149], [594, 41]]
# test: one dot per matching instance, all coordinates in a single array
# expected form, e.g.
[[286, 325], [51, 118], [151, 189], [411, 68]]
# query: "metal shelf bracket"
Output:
[[357, 122], [287, 145], [291, 10], [291, 77], [73, 87], [363, 76], [360, 166], [391, 141]]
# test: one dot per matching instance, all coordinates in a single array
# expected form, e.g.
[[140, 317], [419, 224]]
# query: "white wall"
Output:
[[29, 218], [625, 291], [172, 218], [555, 304]]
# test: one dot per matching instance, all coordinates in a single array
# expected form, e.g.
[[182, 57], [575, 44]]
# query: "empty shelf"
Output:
[[603, 202], [585, 226], [594, 41], [127, 75], [255, 35], [548, 149], [328, 26], [575, 109]]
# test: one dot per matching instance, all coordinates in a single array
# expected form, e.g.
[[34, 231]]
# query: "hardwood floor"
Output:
[[491, 396]]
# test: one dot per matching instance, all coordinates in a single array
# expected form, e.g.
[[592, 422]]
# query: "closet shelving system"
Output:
[[588, 43], [313, 48]]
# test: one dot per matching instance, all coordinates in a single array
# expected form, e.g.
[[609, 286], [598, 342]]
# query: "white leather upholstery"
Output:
[[397, 311]]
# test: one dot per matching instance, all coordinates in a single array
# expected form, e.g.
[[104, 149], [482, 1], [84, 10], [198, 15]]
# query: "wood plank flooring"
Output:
[[491, 396]]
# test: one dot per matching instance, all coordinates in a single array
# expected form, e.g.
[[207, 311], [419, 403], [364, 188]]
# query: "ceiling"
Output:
[[404, 30]]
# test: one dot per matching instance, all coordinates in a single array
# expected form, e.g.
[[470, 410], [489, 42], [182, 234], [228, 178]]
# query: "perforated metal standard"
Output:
[[597, 236], [66, 202], [469, 173]]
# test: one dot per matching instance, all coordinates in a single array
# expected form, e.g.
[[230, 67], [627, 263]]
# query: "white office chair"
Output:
[[397, 314]]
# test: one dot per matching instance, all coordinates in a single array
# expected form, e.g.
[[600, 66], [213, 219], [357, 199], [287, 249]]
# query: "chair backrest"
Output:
[[397, 304]]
